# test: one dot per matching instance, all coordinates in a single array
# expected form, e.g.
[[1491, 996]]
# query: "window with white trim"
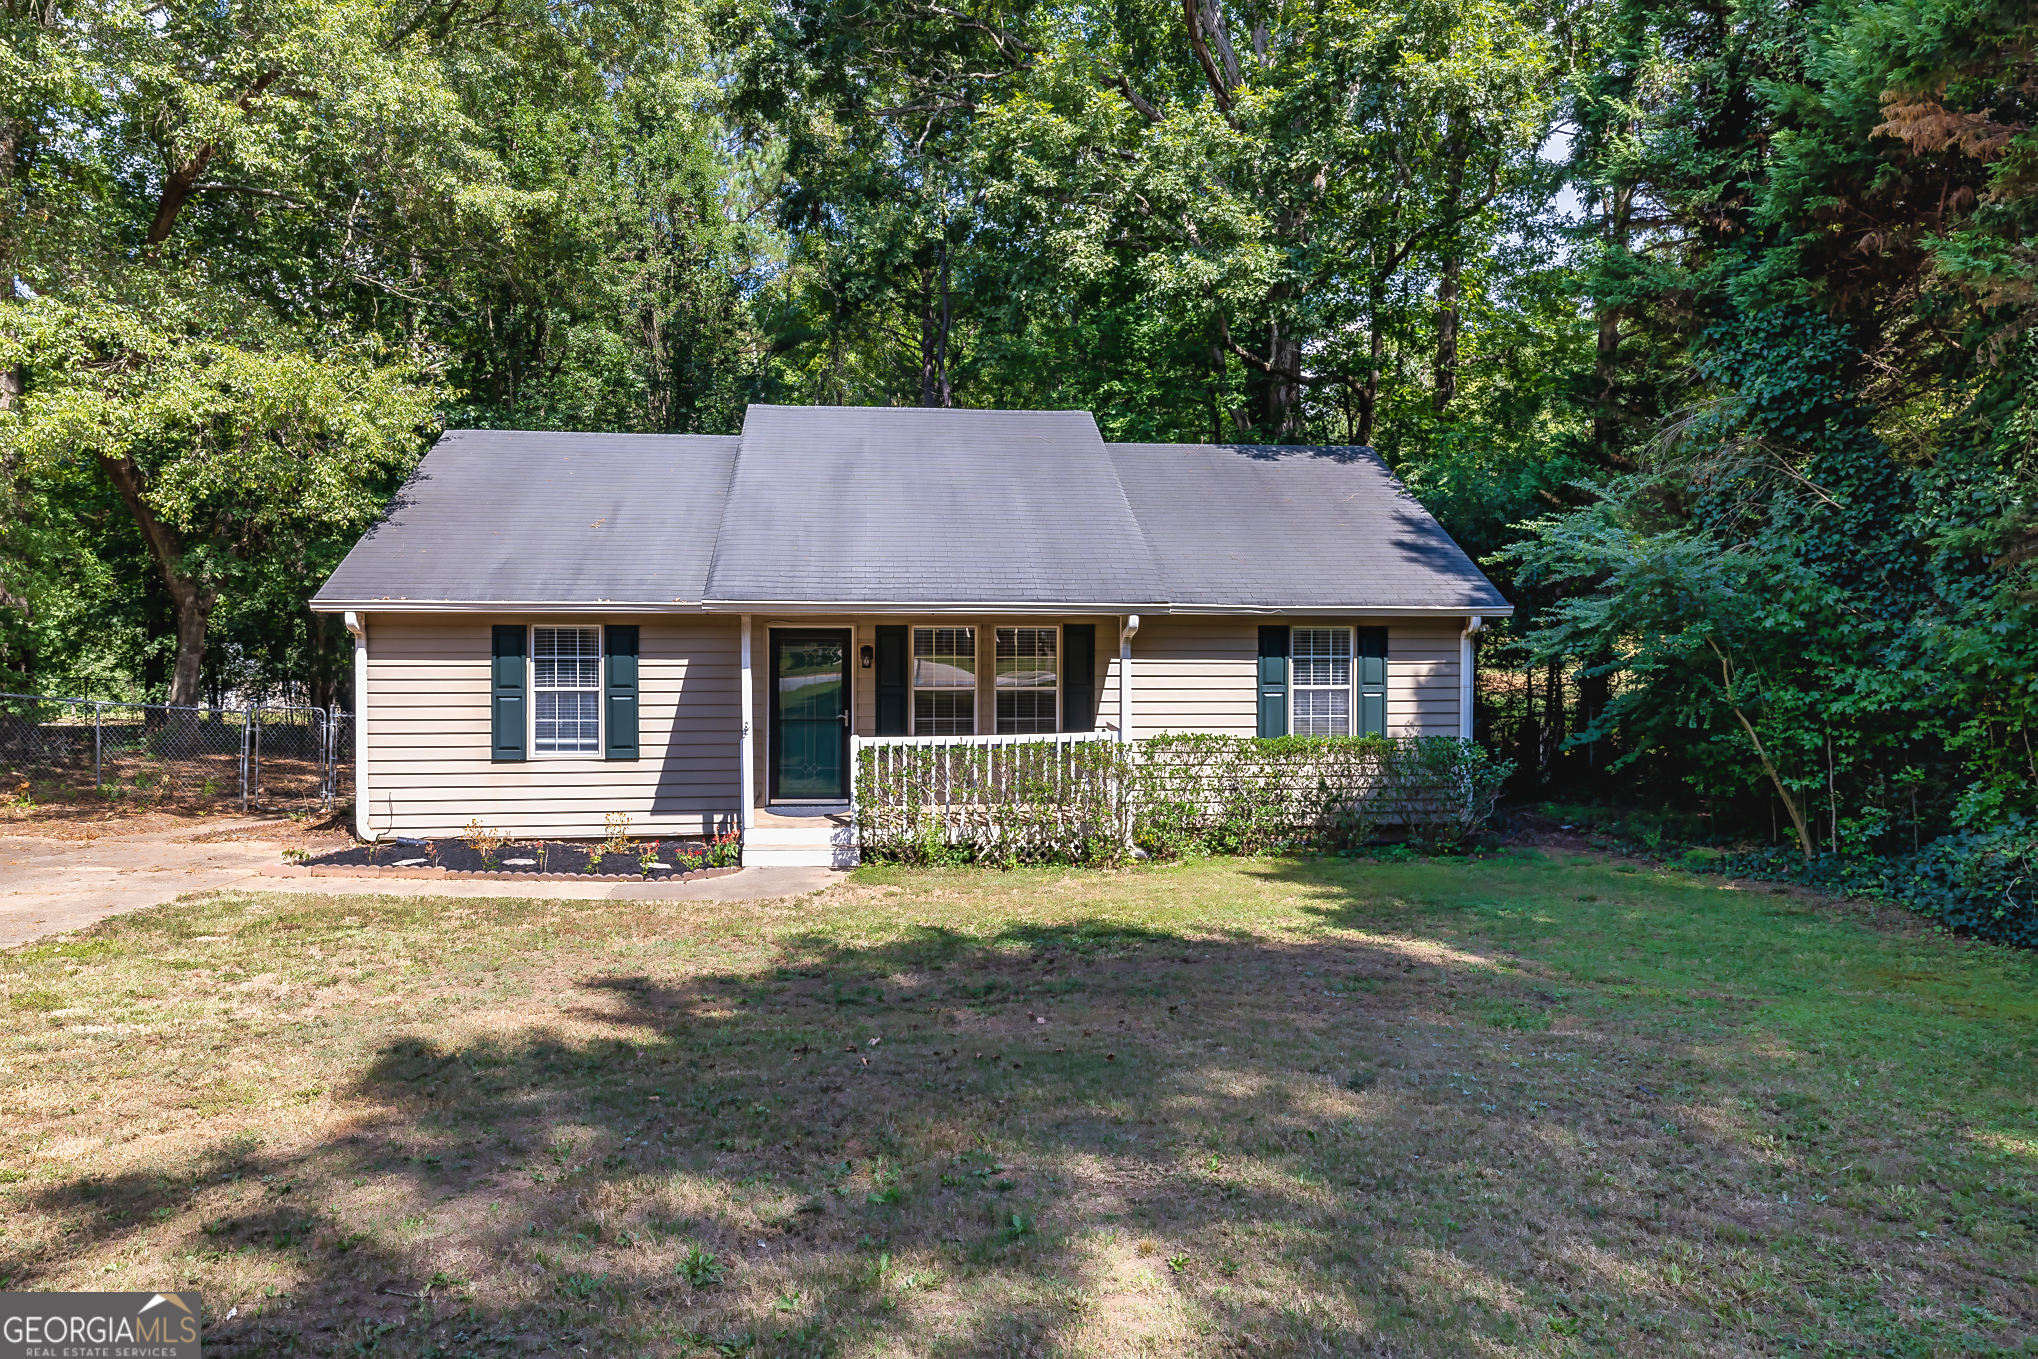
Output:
[[1321, 701], [1028, 695], [944, 681], [566, 691]]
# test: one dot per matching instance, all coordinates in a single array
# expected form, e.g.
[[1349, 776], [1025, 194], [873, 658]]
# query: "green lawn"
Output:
[[1521, 1105]]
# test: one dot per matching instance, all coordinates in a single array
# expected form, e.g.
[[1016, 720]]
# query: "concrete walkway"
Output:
[[55, 886]]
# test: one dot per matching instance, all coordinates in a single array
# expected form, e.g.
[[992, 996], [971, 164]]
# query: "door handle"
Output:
[[845, 717]]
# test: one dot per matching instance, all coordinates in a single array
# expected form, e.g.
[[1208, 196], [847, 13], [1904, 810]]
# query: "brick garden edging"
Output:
[[388, 871]]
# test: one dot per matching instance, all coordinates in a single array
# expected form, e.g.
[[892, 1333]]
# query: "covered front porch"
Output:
[[815, 687]]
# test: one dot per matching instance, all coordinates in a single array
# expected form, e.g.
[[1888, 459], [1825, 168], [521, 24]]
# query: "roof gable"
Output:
[[869, 505]]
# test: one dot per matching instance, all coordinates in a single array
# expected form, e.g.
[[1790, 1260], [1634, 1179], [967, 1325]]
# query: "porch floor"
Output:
[[791, 818]]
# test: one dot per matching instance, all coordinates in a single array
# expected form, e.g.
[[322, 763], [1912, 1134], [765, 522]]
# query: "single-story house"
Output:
[[691, 631]]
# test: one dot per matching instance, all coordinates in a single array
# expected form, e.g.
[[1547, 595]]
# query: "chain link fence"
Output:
[[74, 748]]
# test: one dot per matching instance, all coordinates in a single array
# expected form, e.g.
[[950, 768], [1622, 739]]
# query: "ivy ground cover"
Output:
[[1520, 1105]]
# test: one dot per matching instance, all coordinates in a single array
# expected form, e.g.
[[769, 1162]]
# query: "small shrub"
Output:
[[1981, 883], [616, 837], [700, 1268], [484, 842], [1985, 883]]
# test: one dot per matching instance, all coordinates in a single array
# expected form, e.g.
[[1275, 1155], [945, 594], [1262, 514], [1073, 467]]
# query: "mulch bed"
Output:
[[553, 859]]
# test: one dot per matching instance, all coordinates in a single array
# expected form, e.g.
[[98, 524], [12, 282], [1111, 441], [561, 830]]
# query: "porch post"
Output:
[[748, 746]]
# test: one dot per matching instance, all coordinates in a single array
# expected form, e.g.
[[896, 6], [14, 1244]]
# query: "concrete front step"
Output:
[[824, 844]]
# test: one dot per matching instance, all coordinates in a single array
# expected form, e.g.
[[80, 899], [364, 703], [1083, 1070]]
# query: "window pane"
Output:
[[1323, 656], [1322, 678], [944, 658], [566, 680], [1026, 658], [944, 712], [1024, 712], [1323, 712]]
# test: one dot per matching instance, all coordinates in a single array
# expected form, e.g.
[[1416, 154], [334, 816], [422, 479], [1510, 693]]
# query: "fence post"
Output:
[[255, 747], [247, 717], [98, 711]]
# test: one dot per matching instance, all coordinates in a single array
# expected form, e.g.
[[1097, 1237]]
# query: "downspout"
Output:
[[747, 745], [1126, 632], [359, 627], [1473, 624]]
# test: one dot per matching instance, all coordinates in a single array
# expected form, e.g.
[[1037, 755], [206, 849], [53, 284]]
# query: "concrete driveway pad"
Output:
[[52, 887]]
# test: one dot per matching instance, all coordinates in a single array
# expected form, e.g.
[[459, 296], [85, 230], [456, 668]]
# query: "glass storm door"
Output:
[[810, 716]]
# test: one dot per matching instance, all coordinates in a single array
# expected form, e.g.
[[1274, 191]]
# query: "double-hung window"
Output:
[[566, 690], [944, 681], [1027, 692], [1322, 695]]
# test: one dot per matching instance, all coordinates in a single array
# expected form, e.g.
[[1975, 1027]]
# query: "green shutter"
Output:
[[508, 713], [619, 697], [891, 681], [1273, 681], [1079, 677], [1370, 656]]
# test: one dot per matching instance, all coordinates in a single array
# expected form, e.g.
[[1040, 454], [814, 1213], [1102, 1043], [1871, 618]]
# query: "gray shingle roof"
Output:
[[507, 516], [1293, 527], [913, 506], [893, 508]]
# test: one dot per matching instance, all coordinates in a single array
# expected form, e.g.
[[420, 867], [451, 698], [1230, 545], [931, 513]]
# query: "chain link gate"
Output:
[[152, 752]]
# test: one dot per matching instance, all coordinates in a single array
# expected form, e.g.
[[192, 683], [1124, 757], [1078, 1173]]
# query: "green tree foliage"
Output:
[[1708, 327], [1815, 576], [261, 250]]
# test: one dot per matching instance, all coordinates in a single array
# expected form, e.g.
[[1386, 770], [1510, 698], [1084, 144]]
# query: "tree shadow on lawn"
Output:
[[1212, 1144]]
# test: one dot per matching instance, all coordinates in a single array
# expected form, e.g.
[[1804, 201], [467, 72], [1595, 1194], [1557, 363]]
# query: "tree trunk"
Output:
[[1444, 370], [1369, 392], [1553, 716], [936, 318], [1444, 373], [1594, 693], [191, 603], [1281, 404], [1606, 422]]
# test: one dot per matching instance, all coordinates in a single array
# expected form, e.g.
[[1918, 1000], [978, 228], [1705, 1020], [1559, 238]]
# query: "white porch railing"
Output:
[[951, 775]]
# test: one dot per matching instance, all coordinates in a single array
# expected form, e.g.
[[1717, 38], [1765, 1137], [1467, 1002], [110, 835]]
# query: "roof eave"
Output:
[[923, 607]]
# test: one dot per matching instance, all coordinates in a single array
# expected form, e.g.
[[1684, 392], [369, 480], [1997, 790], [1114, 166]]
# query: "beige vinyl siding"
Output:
[[1202, 674], [429, 771], [1422, 677], [863, 683]]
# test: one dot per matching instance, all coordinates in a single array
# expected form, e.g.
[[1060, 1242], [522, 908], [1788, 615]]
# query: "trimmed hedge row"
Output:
[[1169, 796]]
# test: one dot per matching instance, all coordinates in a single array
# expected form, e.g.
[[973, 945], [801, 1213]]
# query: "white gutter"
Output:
[[357, 625], [813, 609], [1466, 675], [1126, 632]]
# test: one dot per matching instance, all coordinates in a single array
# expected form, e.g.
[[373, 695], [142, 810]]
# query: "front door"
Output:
[[810, 715]]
